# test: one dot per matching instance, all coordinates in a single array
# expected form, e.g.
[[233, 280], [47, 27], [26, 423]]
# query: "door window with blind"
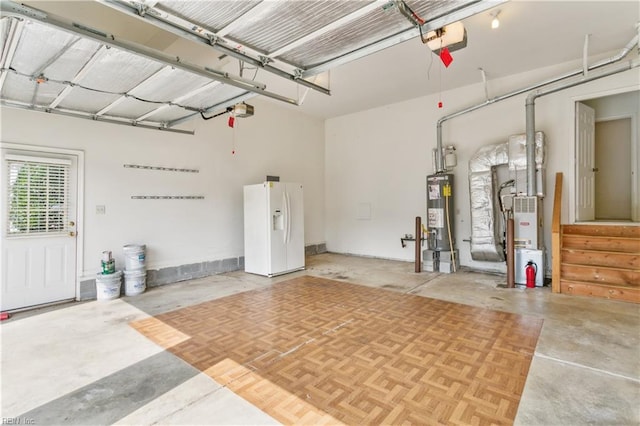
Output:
[[38, 195]]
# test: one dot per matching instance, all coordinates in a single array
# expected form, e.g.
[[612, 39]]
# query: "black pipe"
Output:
[[228, 110], [510, 252], [418, 245]]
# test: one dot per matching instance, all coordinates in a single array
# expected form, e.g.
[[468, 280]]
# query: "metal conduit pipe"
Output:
[[530, 106], [530, 146], [623, 53]]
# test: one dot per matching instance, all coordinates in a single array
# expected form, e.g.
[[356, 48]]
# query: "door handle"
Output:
[[289, 207], [284, 217], [72, 223], [72, 234], [595, 169]]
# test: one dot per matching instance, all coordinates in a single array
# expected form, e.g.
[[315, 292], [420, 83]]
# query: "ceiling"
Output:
[[532, 35]]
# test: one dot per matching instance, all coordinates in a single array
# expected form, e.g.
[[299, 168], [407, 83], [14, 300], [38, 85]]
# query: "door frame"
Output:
[[635, 151], [79, 198]]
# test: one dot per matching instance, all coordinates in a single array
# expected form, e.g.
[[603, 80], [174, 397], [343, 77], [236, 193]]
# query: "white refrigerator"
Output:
[[273, 228]]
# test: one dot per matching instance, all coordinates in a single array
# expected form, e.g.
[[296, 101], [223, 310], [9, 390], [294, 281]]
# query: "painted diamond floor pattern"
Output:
[[316, 351]]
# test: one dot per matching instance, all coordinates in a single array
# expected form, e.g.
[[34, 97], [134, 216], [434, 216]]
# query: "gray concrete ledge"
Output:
[[312, 249], [173, 274]]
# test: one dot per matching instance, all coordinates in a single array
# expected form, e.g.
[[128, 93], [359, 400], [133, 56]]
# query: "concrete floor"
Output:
[[83, 364]]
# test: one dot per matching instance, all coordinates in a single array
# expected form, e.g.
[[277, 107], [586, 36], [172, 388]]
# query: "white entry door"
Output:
[[38, 220], [585, 162]]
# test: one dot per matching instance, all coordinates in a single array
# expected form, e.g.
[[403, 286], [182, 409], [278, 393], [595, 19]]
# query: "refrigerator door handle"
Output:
[[288, 218], [285, 213], [289, 207]]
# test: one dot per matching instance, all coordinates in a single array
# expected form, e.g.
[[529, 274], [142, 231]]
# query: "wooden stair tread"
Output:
[[600, 290], [600, 274], [627, 231], [601, 243], [599, 260], [603, 284], [610, 268], [597, 280], [610, 259], [601, 237], [590, 250], [586, 280]]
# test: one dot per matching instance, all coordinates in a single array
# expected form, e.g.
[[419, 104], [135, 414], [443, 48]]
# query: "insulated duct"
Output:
[[484, 192], [482, 183], [484, 240], [518, 164], [483, 188]]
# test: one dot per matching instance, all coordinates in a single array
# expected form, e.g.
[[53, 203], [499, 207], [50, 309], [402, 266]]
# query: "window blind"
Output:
[[38, 196]]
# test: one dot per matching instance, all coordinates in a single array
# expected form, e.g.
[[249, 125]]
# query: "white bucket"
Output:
[[135, 282], [108, 286], [134, 257]]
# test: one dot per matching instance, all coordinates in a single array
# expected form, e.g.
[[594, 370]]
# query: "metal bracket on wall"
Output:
[[403, 241], [167, 197], [164, 169]]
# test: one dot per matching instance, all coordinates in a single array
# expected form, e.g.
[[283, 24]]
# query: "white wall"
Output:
[[378, 157], [616, 106], [382, 156], [276, 141]]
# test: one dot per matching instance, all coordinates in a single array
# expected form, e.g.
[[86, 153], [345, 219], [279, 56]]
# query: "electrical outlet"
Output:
[[101, 210]]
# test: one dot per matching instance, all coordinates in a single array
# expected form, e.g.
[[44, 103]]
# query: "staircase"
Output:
[[601, 261]]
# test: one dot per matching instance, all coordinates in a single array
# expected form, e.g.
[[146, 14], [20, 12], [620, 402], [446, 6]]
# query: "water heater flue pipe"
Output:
[[619, 56], [530, 106]]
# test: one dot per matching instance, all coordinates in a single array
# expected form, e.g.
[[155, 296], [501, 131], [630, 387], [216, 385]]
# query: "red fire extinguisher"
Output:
[[530, 271]]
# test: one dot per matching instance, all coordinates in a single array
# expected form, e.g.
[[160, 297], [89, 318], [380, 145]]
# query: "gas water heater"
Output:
[[440, 223], [441, 255]]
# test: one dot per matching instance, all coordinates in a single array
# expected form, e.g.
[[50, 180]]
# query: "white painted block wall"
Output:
[[276, 141]]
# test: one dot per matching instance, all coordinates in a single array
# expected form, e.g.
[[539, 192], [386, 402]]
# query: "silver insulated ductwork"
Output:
[[484, 239], [483, 188], [486, 243]]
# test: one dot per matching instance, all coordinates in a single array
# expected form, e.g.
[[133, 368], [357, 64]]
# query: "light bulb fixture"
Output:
[[495, 23]]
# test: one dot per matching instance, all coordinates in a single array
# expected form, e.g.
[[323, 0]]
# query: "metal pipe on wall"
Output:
[[439, 160], [530, 148], [530, 106], [623, 53], [620, 55], [418, 266]]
